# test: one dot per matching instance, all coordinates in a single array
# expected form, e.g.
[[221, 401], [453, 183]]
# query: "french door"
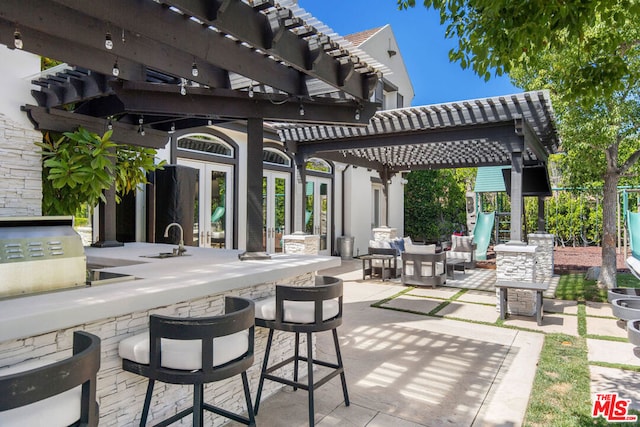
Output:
[[318, 211], [213, 216], [276, 206]]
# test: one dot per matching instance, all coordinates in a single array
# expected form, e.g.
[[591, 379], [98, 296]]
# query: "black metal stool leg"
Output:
[[147, 403], [264, 371], [310, 378], [341, 366], [198, 410], [295, 359], [247, 397]]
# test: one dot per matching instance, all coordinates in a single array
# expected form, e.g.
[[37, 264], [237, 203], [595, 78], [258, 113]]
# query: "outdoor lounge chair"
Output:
[[464, 248]]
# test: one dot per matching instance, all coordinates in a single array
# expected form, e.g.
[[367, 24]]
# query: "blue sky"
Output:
[[422, 44]]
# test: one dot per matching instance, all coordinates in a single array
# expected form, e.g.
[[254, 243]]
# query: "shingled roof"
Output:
[[358, 38]]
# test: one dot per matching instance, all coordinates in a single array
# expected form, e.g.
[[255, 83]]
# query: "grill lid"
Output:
[[40, 254]]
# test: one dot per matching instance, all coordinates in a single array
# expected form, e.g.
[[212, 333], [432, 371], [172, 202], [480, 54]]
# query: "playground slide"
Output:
[[633, 224], [482, 233]]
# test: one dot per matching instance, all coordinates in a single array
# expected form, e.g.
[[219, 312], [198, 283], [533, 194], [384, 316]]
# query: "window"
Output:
[[318, 165], [205, 143], [275, 157]]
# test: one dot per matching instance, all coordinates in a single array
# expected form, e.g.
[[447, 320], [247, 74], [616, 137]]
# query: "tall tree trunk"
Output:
[[609, 231]]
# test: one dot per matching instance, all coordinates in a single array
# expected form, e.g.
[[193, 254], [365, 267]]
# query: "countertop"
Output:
[[159, 282]]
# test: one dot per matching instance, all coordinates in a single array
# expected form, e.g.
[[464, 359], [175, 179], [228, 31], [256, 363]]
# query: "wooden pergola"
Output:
[[180, 64], [517, 130], [186, 63]]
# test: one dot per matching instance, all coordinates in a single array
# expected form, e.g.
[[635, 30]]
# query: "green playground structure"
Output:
[[482, 233], [633, 224]]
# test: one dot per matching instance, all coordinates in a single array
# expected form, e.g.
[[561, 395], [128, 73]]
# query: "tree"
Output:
[[78, 166], [498, 36], [599, 129], [588, 55], [434, 204]]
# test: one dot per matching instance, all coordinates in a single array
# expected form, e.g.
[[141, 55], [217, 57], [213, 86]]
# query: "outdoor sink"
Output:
[[633, 332], [165, 255], [618, 293], [626, 308]]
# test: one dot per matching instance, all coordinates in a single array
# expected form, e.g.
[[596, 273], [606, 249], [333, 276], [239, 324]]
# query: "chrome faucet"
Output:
[[181, 249]]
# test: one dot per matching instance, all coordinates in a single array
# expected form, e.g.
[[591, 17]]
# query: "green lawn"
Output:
[[561, 393], [574, 287]]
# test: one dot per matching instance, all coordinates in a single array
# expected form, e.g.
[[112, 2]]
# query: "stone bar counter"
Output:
[[193, 285]]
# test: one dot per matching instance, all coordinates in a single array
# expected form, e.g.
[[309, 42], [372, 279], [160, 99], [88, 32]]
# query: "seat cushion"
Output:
[[426, 270], [296, 311], [59, 410], [466, 256], [421, 249], [184, 354]]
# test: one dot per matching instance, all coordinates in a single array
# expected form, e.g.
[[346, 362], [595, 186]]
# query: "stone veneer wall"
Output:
[[305, 244], [544, 255], [517, 263], [384, 233], [121, 394], [21, 172]]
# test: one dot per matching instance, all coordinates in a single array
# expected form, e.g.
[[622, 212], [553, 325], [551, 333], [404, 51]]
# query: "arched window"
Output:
[[318, 165], [205, 143], [275, 157]]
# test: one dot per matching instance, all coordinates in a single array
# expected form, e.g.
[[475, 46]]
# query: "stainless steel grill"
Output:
[[39, 254]]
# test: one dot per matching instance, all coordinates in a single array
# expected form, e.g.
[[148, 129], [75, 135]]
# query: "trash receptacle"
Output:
[[345, 246]]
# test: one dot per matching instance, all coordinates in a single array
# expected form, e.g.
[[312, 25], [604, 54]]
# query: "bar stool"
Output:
[[195, 351], [303, 310], [53, 393]]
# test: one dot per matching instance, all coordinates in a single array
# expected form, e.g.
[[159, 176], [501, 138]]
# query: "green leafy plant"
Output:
[[79, 166], [434, 204]]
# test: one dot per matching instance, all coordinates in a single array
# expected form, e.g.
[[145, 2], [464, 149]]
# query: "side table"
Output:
[[385, 272], [454, 264]]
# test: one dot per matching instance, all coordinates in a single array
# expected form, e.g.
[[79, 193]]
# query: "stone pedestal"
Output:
[[517, 263], [384, 233], [544, 255], [301, 243]]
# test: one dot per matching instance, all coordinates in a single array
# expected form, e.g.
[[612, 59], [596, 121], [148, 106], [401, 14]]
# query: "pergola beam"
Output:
[[350, 159], [64, 121], [162, 99], [531, 140], [273, 34], [505, 132], [163, 40]]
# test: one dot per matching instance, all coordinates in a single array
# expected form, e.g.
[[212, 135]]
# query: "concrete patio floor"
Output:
[[422, 363]]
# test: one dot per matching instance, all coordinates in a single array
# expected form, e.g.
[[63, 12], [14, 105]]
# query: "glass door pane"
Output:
[[265, 209], [276, 207], [196, 213], [218, 209], [309, 217], [318, 211], [324, 216]]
